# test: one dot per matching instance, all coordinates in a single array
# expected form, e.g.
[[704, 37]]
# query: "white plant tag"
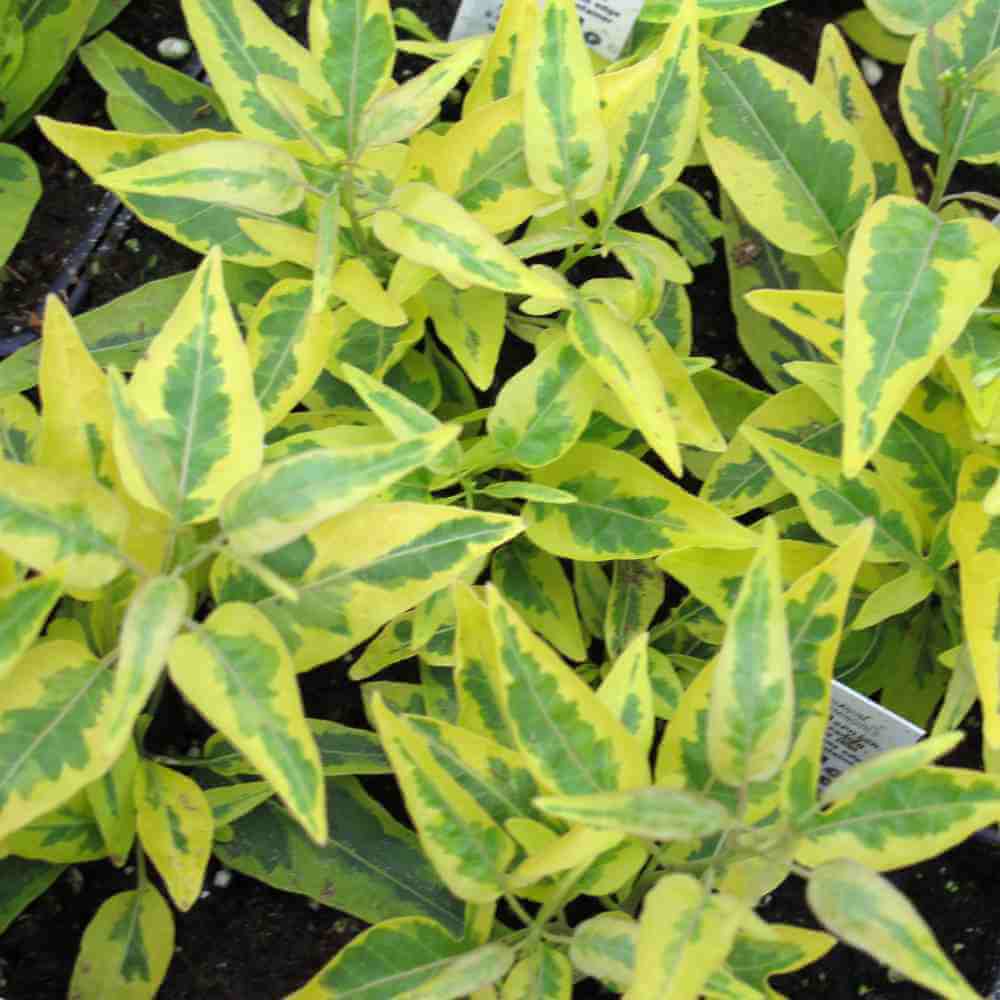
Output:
[[859, 728], [606, 23]]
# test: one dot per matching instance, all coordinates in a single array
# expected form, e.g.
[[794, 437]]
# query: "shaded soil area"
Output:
[[244, 940]]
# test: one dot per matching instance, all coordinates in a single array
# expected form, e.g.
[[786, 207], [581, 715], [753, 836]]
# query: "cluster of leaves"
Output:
[[37, 40], [343, 459]]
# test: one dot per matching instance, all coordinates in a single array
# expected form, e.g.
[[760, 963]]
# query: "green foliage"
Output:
[[273, 488]]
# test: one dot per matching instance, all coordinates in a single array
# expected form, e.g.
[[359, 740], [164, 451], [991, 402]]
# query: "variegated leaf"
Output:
[[681, 214], [175, 825], [604, 947], [236, 670], [112, 802], [566, 142], [684, 934], [354, 42], [975, 535], [351, 580], [910, 819], [651, 114], [24, 608], [543, 974], [395, 955], [145, 95], [243, 175], [838, 76], [467, 975], [155, 614], [67, 834], [571, 741], [469, 850], [64, 525], [238, 43], [637, 591], [20, 189], [126, 948], [870, 913], [753, 698], [651, 813], [403, 111], [961, 42], [901, 311], [624, 510], [194, 427], [478, 682], [423, 223], [627, 690], [542, 410], [834, 504], [288, 344], [535, 584], [785, 155], [289, 497]]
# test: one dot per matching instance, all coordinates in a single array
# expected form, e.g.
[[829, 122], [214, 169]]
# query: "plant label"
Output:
[[606, 23], [858, 729]]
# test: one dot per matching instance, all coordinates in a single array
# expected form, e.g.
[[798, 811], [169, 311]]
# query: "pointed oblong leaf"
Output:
[[24, 607], [580, 846], [238, 43], [685, 934], [653, 123], [423, 224], [834, 504], [67, 834], [535, 583], [52, 733], [571, 741], [888, 765], [838, 76], [65, 525], [753, 698], [194, 393], [112, 802], [126, 947], [905, 821], [155, 615], [617, 353], [785, 155], [351, 580], [651, 813], [237, 672], [565, 137], [870, 913], [623, 510], [354, 42], [175, 825], [398, 114], [466, 846], [162, 98], [288, 498], [288, 344], [75, 431], [245, 175], [902, 310], [478, 682], [543, 409], [371, 866], [628, 691], [393, 956]]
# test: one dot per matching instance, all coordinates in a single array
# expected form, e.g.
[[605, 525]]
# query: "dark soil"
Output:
[[250, 942]]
